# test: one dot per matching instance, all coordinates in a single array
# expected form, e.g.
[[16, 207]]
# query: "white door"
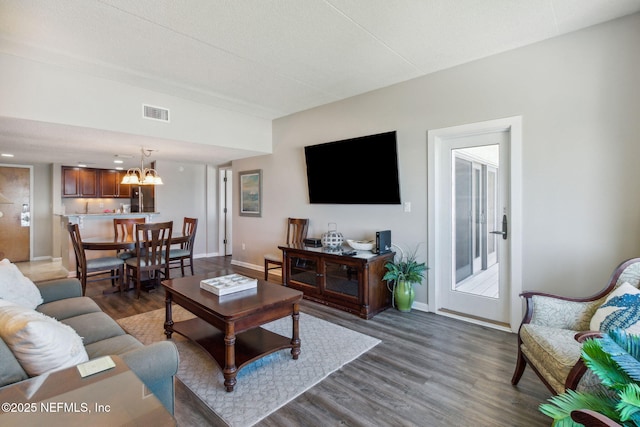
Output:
[[471, 274]]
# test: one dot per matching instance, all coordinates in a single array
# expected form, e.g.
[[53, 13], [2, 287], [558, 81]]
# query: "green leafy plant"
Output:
[[615, 359], [405, 268]]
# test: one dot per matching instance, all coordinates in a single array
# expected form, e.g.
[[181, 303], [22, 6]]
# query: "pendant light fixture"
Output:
[[142, 175]]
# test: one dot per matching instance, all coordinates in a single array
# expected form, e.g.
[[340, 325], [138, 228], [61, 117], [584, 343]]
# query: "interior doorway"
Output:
[[474, 222]]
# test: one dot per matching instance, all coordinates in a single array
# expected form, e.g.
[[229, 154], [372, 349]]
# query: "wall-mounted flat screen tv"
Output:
[[360, 170]]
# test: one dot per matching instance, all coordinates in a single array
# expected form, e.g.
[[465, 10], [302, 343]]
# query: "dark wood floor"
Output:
[[429, 370]]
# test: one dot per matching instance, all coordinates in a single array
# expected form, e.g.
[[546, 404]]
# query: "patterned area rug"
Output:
[[266, 384]]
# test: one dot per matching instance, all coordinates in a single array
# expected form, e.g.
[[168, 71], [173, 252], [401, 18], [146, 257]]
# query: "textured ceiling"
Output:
[[270, 58]]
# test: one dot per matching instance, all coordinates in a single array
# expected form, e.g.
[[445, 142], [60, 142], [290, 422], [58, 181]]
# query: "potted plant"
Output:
[[615, 359], [402, 274]]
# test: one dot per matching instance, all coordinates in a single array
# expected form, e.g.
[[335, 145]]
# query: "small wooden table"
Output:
[[227, 327], [113, 397]]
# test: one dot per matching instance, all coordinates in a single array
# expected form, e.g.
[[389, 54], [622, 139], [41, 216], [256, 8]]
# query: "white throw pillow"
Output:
[[40, 343], [621, 310], [16, 288]]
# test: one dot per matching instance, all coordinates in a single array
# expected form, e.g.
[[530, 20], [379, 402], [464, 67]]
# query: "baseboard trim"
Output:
[[247, 265], [205, 255], [475, 320]]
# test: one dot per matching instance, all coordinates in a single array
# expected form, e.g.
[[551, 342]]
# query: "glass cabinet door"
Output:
[[304, 270], [342, 279]]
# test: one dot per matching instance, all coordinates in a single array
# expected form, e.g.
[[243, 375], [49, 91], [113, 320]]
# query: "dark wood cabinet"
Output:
[[110, 184], [88, 182], [124, 191], [350, 283], [79, 182]]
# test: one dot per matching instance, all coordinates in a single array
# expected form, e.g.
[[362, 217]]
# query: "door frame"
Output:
[[435, 155]]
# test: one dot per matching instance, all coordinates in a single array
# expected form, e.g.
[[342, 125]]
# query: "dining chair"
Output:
[[152, 253], [123, 229], [296, 233], [185, 251], [87, 269]]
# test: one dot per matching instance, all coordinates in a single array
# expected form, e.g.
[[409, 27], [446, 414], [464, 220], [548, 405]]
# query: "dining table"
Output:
[[115, 243], [119, 243]]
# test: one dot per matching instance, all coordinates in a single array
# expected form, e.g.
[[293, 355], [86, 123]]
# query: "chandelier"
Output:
[[142, 175]]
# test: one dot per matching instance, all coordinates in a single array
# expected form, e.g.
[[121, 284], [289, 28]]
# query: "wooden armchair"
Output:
[[590, 418], [547, 338]]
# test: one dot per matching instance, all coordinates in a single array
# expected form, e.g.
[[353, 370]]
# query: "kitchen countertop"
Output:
[[109, 214]]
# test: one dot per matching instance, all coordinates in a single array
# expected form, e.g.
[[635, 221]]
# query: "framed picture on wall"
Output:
[[250, 192]]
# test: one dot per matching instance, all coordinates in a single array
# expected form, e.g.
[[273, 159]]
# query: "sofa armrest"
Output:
[[54, 290], [156, 364]]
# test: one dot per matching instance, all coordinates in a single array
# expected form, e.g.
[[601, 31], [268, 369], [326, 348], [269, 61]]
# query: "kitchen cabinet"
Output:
[[88, 182], [79, 182], [110, 184]]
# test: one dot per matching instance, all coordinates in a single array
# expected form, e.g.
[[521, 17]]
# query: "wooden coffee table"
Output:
[[227, 327]]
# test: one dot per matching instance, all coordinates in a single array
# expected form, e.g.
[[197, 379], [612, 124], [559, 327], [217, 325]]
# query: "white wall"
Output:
[[41, 212], [37, 91], [185, 193], [579, 96], [42, 92]]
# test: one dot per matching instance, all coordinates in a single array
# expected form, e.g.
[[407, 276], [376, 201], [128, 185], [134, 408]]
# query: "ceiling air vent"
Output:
[[155, 113]]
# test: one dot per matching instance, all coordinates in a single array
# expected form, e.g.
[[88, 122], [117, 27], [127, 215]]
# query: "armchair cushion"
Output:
[[562, 313], [17, 288], [39, 342], [621, 310], [551, 350]]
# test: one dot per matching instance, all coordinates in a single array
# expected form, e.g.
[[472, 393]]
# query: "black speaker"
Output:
[[383, 242]]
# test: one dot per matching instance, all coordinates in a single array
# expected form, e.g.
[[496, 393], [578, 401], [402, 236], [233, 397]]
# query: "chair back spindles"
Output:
[[86, 268], [296, 233], [152, 243], [296, 230], [123, 227], [185, 252]]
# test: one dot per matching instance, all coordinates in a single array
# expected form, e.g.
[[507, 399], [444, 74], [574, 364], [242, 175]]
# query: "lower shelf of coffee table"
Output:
[[250, 345]]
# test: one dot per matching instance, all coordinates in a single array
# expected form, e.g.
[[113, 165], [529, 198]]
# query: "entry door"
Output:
[[15, 222], [472, 274]]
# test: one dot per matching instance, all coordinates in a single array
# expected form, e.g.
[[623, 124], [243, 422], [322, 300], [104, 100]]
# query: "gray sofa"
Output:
[[154, 364]]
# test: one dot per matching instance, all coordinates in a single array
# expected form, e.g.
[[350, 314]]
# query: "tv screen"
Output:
[[360, 170]]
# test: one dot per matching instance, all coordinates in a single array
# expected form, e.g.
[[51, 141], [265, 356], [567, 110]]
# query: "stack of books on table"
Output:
[[228, 284]]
